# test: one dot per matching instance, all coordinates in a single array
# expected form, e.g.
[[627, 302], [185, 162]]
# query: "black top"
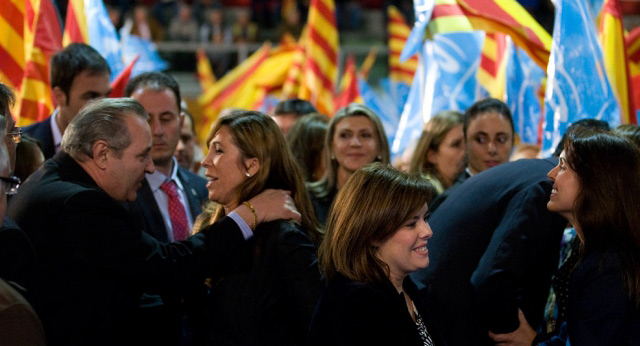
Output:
[[357, 313], [270, 297]]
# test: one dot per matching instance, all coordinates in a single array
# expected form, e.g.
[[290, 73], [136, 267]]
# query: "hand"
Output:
[[275, 205], [523, 336]]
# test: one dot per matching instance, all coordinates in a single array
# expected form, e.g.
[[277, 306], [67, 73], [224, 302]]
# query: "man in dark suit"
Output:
[[159, 94], [94, 259], [78, 74], [494, 250]]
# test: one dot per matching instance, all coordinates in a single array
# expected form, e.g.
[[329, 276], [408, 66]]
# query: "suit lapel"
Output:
[[154, 223], [192, 194]]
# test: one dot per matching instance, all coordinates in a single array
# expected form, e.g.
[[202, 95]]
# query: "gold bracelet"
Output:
[[255, 215]]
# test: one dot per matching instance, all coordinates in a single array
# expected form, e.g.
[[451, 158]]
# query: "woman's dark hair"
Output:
[[630, 132], [306, 141], [296, 106], [488, 105], [606, 207]]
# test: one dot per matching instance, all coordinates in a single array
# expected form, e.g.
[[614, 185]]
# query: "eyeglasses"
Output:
[[16, 134], [11, 184]]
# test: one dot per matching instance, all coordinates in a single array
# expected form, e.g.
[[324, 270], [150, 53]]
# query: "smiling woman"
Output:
[[355, 137], [596, 188], [376, 235], [269, 295]]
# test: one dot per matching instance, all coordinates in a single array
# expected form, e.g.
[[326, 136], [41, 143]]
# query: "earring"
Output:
[[248, 175], [333, 157], [379, 157]]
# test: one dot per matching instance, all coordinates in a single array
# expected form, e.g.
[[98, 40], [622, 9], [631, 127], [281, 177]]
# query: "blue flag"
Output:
[[524, 78], [383, 105], [458, 57], [445, 80], [423, 10], [577, 85], [103, 36], [150, 60]]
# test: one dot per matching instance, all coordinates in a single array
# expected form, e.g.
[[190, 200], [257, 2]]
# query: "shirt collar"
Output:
[[156, 179], [55, 130]]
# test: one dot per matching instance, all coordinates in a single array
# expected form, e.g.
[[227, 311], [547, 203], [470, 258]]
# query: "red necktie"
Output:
[[177, 214]]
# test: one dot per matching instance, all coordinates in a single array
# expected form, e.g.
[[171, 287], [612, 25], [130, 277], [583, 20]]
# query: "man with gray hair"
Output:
[[94, 258]]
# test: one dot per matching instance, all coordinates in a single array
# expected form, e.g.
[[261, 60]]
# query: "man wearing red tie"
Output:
[[170, 198]]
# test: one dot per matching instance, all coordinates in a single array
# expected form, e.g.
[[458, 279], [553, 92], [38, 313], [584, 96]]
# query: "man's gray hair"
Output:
[[102, 119]]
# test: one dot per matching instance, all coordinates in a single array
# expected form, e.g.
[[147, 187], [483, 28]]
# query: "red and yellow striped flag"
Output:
[[368, 62], [231, 90], [76, 29], [398, 34], [43, 38], [204, 71], [509, 17], [321, 54], [12, 53], [448, 16], [493, 64], [349, 86], [294, 76], [615, 59], [632, 41]]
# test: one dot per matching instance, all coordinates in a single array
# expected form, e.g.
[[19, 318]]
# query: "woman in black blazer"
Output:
[[376, 235], [596, 188], [270, 293]]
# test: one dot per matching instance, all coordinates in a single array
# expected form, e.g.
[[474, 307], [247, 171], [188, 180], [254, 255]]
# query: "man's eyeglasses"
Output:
[[16, 135], [11, 184]]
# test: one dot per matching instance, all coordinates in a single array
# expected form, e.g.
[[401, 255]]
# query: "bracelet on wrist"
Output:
[[255, 215]]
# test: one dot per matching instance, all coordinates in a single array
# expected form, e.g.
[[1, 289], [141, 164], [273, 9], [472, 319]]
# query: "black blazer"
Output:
[[94, 259], [195, 190], [356, 313], [494, 249], [271, 296], [42, 132]]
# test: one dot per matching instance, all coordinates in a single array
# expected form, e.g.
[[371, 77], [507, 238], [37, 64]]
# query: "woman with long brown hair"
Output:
[[270, 291], [596, 188]]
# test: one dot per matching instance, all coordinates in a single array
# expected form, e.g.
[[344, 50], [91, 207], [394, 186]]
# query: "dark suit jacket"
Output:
[[494, 249], [269, 299], [161, 318], [17, 258], [437, 200], [195, 190], [94, 259], [42, 132], [356, 313]]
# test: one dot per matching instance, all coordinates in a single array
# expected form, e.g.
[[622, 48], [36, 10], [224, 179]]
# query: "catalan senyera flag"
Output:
[[632, 41], [294, 76], [232, 90], [398, 34], [349, 92], [368, 62], [509, 17], [615, 59], [75, 25], [321, 56], [635, 80], [448, 16], [493, 62], [43, 38], [12, 53], [204, 70]]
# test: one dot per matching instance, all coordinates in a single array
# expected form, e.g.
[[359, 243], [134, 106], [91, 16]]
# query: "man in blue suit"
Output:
[[78, 74], [170, 199]]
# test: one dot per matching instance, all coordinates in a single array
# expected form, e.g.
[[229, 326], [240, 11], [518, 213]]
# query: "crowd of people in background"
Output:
[[296, 228]]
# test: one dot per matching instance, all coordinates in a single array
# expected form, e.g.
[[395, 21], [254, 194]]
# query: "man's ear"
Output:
[[59, 97], [100, 151]]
